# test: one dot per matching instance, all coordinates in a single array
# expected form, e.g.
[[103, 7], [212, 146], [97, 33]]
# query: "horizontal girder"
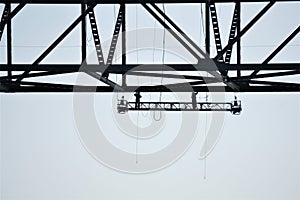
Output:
[[128, 1], [121, 69], [48, 87]]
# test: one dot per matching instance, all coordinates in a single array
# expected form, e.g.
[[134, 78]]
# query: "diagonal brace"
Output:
[[115, 37], [247, 27], [277, 50], [7, 16], [172, 32], [58, 40]]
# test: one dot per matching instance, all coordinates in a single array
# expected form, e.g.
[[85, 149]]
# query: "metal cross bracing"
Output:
[[17, 76]]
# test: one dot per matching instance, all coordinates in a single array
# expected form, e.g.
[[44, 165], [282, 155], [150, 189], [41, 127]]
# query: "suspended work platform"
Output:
[[123, 106]]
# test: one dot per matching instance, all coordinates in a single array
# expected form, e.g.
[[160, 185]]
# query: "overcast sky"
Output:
[[256, 158]]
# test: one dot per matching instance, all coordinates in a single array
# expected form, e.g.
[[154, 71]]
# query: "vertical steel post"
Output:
[[83, 34], [207, 28], [9, 42], [123, 8], [238, 46]]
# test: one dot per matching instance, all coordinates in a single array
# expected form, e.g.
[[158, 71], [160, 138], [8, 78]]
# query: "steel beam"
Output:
[[279, 84], [9, 41], [106, 81], [174, 76], [207, 29], [250, 83], [124, 45], [12, 13], [184, 43], [130, 1], [179, 30], [55, 88], [268, 75], [277, 50], [238, 43], [83, 35], [247, 27], [32, 75], [59, 39], [115, 37], [172, 32], [122, 69]]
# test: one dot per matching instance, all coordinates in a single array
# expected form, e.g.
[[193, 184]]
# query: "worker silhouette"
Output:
[[138, 97], [235, 102], [122, 101], [194, 100]]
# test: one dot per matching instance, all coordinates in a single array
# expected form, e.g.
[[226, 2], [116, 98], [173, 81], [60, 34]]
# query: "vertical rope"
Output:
[[163, 63], [163, 54], [137, 139], [138, 114], [136, 31], [153, 52], [202, 23], [206, 99], [205, 143]]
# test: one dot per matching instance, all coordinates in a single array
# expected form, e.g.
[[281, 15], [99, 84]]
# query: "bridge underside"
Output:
[[225, 76]]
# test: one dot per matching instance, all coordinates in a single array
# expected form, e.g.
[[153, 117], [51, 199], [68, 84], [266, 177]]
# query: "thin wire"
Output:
[[206, 99], [89, 40], [137, 48], [153, 53], [137, 139], [154, 40], [163, 54], [163, 63], [205, 144], [136, 38], [220, 11], [159, 116], [202, 22], [138, 114], [153, 61]]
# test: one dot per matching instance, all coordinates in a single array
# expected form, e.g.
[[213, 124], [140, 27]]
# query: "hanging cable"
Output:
[[163, 63], [89, 40], [202, 30], [136, 39], [202, 22], [136, 32], [163, 53], [137, 48], [153, 52], [153, 60], [137, 139], [205, 143], [137, 60], [158, 118], [154, 40]]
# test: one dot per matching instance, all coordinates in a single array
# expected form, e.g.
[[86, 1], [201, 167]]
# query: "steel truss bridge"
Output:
[[16, 75]]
